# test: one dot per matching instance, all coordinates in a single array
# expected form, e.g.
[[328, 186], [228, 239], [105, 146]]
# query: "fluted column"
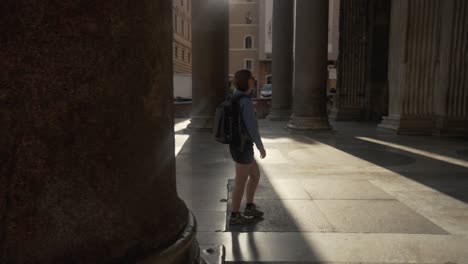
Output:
[[210, 57], [397, 62], [349, 102], [451, 92], [87, 137], [418, 81], [282, 68], [310, 69]]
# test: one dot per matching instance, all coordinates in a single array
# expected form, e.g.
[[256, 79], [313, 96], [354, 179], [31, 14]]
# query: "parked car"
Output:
[[265, 92]]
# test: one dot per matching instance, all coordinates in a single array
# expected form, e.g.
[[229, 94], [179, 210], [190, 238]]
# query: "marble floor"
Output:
[[356, 194]]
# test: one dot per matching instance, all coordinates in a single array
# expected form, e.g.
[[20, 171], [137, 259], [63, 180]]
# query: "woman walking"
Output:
[[247, 171]]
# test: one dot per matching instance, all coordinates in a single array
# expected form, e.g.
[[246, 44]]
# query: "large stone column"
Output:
[[349, 101], [451, 94], [412, 66], [427, 76], [310, 69], [210, 57], [87, 143], [282, 68]]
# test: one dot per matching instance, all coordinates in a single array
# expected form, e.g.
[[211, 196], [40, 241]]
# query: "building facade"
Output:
[[265, 41], [182, 44], [243, 36]]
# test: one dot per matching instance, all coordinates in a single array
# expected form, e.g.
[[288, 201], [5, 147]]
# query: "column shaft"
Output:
[[451, 94], [282, 68], [427, 76], [210, 57], [349, 101], [88, 171], [310, 71]]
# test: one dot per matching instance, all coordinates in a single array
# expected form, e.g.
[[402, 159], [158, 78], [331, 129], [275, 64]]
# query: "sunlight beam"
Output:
[[424, 153]]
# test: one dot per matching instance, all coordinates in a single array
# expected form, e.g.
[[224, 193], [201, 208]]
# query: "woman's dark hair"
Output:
[[241, 80]]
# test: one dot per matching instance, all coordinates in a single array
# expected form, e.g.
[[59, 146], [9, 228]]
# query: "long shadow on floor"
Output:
[[201, 159], [436, 162]]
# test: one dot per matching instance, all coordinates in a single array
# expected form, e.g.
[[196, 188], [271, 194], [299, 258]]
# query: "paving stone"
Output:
[[277, 189], [286, 216], [343, 189], [375, 216], [427, 223], [273, 156], [202, 194], [210, 221], [213, 254], [206, 205], [384, 158], [293, 247]]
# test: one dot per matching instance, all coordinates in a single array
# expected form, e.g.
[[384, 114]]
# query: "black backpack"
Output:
[[227, 127]]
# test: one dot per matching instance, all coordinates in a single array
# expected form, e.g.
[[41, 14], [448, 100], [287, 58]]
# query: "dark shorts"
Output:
[[246, 156]]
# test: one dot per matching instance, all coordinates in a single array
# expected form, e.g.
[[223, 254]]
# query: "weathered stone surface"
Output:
[[282, 69], [209, 63], [87, 166], [310, 68], [427, 73]]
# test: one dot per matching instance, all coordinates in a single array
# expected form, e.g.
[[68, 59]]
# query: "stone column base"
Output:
[[185, 248], [390, 123], [345, 114], [279, 115], [308, 123], [408, 125], [444, 126], [201, 123]]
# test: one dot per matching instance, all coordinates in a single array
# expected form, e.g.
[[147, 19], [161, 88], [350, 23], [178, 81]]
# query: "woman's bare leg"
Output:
[[252, 182], [242, 173]]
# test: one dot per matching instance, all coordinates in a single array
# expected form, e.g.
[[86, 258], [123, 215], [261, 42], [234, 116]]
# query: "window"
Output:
[[248, 18], [248, 42], [182, 2], [248, 64], [188, 57], [176, 50], [189, 31], [175, 23], [188, 5], [183, 54], [183, 27]]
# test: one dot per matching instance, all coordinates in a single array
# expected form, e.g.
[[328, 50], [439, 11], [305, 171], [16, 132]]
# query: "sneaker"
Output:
[[253, 212], [240, 219]]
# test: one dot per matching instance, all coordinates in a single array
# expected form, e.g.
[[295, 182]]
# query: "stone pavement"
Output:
[[354, 195]]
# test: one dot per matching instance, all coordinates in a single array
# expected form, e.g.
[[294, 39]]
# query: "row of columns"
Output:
[[305, 105], [427, 68]]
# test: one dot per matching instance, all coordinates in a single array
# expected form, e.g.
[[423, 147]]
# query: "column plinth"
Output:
[[201, 123], [279, 114], [309, 123]]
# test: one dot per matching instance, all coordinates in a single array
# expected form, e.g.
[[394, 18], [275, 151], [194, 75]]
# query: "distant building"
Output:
[[251, 37], [265, 41], [243, 36], [182, 44]]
